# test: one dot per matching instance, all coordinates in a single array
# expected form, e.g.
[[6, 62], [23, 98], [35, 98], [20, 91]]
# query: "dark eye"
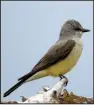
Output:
[[77, 29]]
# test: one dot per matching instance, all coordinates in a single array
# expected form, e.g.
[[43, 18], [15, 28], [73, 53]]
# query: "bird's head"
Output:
[[72, 27]]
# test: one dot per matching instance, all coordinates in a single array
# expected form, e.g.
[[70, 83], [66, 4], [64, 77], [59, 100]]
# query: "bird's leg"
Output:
[[61, 77]]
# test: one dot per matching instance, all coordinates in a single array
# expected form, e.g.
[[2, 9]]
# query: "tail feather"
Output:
[[27, 75], [13, 88], [21, 81]]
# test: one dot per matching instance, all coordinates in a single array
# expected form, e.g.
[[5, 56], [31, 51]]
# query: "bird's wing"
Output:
[[55, 53]]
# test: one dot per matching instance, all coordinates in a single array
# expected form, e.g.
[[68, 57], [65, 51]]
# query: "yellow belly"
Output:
[[67, 64], [63, 66]]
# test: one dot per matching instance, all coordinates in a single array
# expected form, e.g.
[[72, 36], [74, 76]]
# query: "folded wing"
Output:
[[55, 53]]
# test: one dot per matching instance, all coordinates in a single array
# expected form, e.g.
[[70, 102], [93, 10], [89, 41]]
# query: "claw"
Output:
[[66, 83], [61, 77]]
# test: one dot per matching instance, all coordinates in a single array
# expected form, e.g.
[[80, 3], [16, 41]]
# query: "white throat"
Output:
[[78, 34]]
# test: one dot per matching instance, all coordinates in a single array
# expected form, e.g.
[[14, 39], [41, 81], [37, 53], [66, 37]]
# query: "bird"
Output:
[[60, 58]]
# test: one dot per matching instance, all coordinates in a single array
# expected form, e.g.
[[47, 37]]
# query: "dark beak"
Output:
[[85, 30]]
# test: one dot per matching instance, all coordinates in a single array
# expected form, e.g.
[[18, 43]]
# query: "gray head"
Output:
[[72, 28]]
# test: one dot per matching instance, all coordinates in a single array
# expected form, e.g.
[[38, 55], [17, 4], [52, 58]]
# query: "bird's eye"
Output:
[[77, 29]]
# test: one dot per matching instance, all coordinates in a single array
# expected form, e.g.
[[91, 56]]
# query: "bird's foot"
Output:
[[61, 77]]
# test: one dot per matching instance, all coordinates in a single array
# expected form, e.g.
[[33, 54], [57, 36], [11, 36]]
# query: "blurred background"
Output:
[[28, 30]]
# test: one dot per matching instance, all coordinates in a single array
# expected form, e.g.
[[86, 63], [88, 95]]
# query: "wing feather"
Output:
[[55, 53]]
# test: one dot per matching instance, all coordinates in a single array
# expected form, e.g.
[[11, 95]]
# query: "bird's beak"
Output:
[[85, 30]]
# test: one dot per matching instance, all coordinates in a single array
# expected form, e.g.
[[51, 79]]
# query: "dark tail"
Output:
[[21, 81], [14, 88]]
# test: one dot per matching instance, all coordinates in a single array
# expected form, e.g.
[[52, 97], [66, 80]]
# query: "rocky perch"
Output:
[[55, 94]]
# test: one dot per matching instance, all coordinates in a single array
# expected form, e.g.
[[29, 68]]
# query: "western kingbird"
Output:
[[60, 58]]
